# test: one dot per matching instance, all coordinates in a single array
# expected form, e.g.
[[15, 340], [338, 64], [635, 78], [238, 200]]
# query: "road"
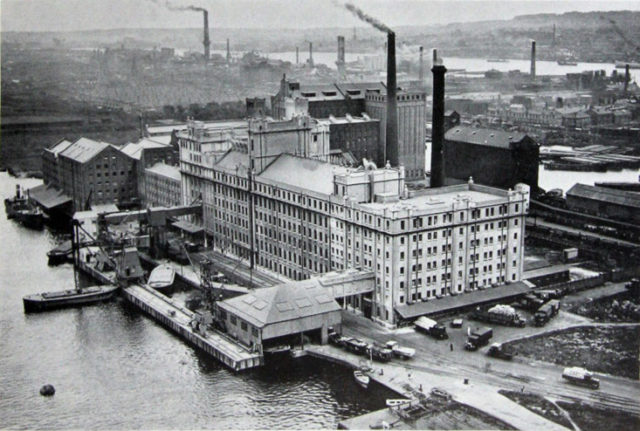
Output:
[[436, 357]]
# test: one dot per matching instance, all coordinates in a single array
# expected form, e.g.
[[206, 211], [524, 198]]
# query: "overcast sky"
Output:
[[61, 15]]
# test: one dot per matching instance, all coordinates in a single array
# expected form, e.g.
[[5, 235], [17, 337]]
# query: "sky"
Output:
[[66, 15]]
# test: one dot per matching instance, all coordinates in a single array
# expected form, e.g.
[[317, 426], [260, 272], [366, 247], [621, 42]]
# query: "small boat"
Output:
[[497, 60], [567, 63], [14, 204], [61, 253], [30, 217], [162, 278], [361, 378], [397, 402], [67, 298]]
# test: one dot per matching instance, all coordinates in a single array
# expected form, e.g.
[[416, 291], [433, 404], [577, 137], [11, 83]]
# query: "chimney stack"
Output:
[[627, 78], [391, 148], [228, 52], [421, 70], [310, 54], [437, 123], [533, 60], [297, 55], [206, 42], [340, 61]]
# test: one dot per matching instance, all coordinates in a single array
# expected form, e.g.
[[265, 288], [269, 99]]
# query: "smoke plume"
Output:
[[366, 18], [170, 6]]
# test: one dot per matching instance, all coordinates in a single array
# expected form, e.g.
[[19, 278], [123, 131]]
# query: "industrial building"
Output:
[[491, 157], [94, 173], [275, 314], [160, 186], [605, 202], [359, 136], [146, 153], [50, 167]]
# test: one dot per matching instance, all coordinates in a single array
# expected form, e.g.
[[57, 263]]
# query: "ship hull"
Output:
[[69, 298]]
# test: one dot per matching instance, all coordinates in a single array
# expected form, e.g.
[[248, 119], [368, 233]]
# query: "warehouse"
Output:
[[605, 202], [279, 314]]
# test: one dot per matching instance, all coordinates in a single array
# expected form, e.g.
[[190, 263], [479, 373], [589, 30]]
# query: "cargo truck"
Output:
[[501, 314], [478, 337], [431, 327], [580, 376], [530, 302], [497, 351], [546, 312]]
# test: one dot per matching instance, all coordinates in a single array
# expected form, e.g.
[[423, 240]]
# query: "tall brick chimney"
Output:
[[437, 123], [205, 40], [533, 60], [391, 148]]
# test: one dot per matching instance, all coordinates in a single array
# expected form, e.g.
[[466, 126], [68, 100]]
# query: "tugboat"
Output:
[[162, 278], [28, 215]]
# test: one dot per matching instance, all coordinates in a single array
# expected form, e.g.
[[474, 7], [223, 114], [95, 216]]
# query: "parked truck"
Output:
[[498, 351], [546, 312], [530, 302], [500, 314], [580, 376], [431, 327], [478, 337]]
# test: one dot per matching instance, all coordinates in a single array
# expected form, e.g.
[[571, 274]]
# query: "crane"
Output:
[[620, 33]]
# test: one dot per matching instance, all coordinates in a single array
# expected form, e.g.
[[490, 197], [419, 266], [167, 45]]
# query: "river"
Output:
[[114, 368]]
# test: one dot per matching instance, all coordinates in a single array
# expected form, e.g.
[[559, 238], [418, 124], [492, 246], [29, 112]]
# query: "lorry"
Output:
[[379, 353], [580, 376], [431, 327], [546, 312], [400, 351], [497, 351], [530, 302], [478, 337], [500, 314]]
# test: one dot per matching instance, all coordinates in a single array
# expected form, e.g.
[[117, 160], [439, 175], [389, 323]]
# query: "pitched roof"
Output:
[[59, 146], [84, 149], [282, 303], [486, 137], [605, 194], [165, 170], [233, 160], [134, 149], [314, 175]]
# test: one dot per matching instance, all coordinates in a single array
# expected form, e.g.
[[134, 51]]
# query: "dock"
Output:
[[178, 319]]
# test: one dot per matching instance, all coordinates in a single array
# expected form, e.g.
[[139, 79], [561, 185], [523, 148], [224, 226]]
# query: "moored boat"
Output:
[[397, 402], [14, 204], [61, 253], [162, 278], [361, 378], [30, 217], [67, 298]]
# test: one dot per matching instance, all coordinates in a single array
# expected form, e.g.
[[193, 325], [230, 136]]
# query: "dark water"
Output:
[[115, 369]]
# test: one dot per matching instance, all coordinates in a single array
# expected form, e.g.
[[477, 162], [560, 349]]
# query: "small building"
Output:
[[491, 157], [280, 314], [161, 186], [605, 202]]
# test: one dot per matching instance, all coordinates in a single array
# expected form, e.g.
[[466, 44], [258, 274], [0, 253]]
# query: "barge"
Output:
[[47, 301]]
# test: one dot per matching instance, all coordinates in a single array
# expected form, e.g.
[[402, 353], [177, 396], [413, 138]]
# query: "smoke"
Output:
[[363, 16], [170, 6]]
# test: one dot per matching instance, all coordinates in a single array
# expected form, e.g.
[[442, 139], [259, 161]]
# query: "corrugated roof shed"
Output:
[[487, 137], [59, 146], [604, 194], [308, 174], [285, 302], [84, 149]]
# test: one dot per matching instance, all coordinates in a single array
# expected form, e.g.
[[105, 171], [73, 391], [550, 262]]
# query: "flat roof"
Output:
[[605, 194], [485, 137], [463, 300], [48, 196]]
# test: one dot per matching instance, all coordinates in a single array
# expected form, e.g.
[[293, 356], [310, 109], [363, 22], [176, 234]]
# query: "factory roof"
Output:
[[84, 149], [233, 160], [346, 120], [308, 174], [605, 194], [441, 199], [486, 137], [165, 170], [285, 302], [134, 149], [59, 146]]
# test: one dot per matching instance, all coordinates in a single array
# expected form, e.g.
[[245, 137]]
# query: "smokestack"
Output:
[[627, 78], [205, 40], [297, 55], [533, 60], [311, 54], [421, 70], [437, 123], [340, 61], [391, 149], [228, 52]]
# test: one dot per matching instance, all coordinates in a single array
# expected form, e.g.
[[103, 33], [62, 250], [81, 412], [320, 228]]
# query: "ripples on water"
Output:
[[113, 368]]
